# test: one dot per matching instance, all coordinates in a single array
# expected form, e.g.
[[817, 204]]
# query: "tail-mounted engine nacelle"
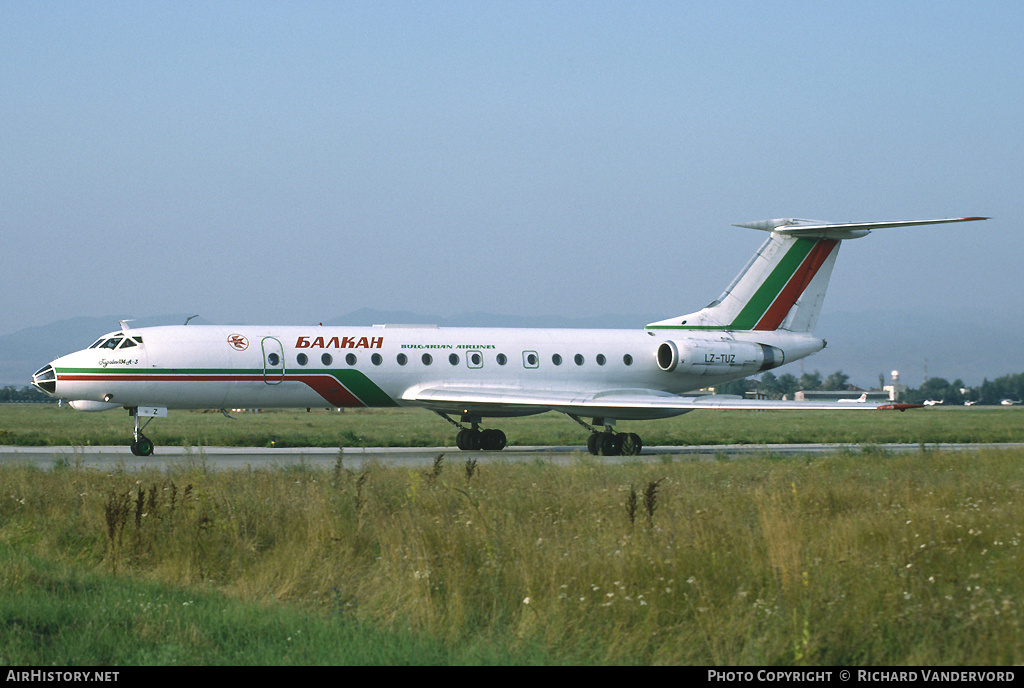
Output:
[[697, 357]]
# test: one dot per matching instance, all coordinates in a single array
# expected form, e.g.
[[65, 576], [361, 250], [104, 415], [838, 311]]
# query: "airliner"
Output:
[[764, 319]]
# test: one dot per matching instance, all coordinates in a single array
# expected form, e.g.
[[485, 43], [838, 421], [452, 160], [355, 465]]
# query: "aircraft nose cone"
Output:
[[45, 380]]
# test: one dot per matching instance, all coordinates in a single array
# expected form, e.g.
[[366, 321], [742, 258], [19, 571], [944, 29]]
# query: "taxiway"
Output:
[[227, 458]]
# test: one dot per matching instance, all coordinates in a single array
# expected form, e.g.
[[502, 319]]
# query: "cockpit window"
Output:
[[111, 341], [128, 342]]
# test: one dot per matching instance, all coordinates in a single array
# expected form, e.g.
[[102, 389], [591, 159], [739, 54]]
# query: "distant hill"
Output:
[[864, 345], [26, 351]]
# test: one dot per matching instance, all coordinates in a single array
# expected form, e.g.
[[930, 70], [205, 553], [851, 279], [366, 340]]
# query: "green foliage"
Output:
[[29, 395], [52, 615], [836, 382], [773, 387], [990, 393], [735, 388], [811, 381], [1006, 387]]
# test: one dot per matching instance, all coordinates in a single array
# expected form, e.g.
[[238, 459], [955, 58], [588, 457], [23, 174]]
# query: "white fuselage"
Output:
[[215, 367]]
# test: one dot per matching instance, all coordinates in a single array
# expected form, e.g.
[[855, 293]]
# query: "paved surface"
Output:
[[223, 458]]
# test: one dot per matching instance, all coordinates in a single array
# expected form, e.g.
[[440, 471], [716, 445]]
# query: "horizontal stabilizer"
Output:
[[846, 230]]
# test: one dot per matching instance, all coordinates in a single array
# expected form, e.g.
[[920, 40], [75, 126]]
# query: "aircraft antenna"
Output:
[[190, 317]]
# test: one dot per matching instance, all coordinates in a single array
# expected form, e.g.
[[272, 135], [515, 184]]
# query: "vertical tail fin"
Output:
[[783, 286]]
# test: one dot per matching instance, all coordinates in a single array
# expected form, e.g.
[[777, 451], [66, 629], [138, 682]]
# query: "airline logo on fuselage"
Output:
[[339, 343]]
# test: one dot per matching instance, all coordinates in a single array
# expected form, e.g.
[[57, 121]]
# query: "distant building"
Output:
[[852, 395], [894, 388]]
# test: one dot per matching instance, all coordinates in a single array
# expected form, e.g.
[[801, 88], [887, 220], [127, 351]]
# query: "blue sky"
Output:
[[291, 162]]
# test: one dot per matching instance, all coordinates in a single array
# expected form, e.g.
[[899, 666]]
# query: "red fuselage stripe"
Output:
[[326, 386], [777, 312]]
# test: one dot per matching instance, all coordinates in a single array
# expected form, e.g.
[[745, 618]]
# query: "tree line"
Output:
[[990, 392], [787, 384], [10, 394]]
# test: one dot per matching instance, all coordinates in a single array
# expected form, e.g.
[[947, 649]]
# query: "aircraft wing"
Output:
[[620, 403]]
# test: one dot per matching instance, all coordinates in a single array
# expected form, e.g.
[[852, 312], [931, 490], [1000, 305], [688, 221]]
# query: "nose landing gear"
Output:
[[142, 445]]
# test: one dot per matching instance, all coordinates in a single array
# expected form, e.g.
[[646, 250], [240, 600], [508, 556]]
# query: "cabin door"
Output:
[[273, 361]]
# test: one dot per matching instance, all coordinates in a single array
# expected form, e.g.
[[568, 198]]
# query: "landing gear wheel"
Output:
[[631, 444], [609, 444], [469, 440], [592, 443], [493, 440], [142, 446]]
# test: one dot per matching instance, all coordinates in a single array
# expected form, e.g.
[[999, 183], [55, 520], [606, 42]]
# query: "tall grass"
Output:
[[855, 558]]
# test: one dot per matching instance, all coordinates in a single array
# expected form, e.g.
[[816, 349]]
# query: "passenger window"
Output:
[[402, 359], [302, 359], [273, 359], [502, 359], [453, 359], [427, 359], [578, 358], [556, 359], [376, 359], [327, 359], [350, 359], [627, 359], [601, 360]]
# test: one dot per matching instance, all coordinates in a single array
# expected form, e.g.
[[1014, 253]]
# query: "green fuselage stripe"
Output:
[[355, 381], [363, 387]]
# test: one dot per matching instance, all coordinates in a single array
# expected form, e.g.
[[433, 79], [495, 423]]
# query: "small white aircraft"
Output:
[[862, 399], [762, 320]]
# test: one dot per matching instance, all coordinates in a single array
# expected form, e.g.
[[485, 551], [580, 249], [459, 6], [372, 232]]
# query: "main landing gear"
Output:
[[604, 442], [607, 442], [610, 443], [473, 438]]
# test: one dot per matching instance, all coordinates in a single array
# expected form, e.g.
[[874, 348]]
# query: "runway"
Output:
[[228, 458]]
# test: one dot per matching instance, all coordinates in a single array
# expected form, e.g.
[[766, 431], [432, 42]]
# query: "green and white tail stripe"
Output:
[[782, 287]]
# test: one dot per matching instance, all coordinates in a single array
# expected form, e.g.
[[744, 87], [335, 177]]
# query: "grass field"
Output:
[[857, 558], [47, 425]]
